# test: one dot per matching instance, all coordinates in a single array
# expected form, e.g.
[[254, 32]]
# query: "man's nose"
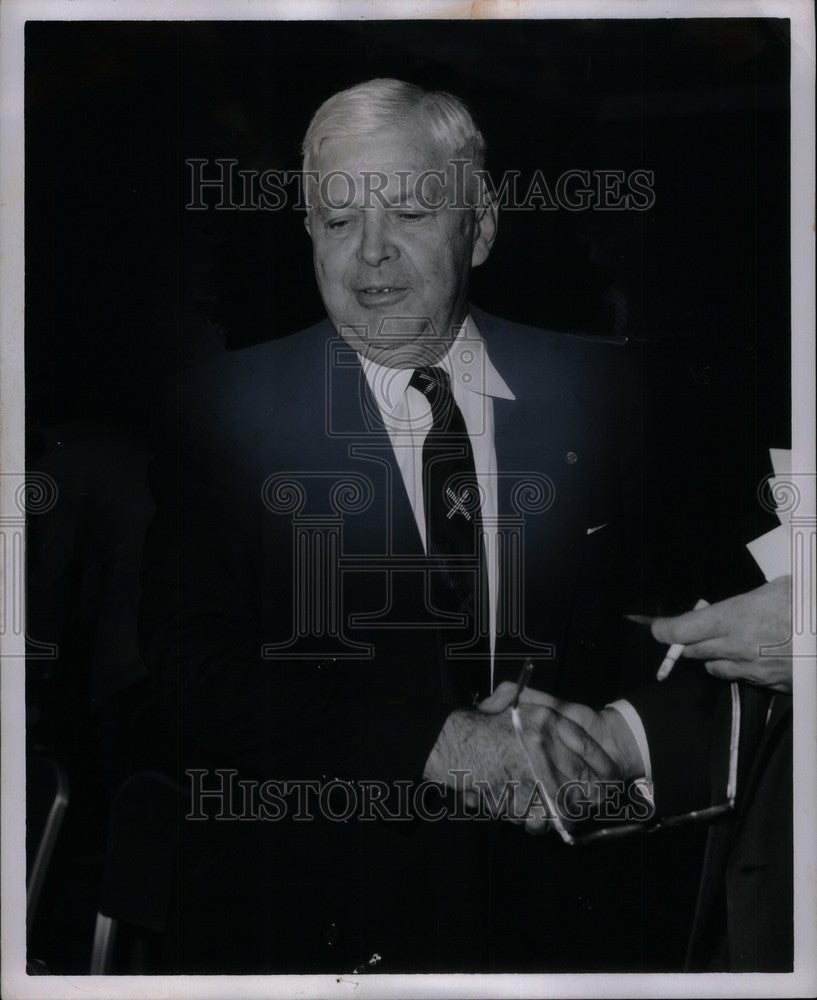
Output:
[[375, 246]]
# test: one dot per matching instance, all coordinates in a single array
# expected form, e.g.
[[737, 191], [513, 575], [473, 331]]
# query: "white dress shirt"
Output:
[[406, 414]]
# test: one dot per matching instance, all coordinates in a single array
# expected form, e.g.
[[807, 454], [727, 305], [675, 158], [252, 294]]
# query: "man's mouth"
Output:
[[380, 295]]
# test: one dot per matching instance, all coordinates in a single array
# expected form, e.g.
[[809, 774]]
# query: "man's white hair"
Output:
[[377, 105]]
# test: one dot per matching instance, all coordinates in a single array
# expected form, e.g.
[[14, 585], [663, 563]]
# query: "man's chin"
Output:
[[396, 342], [406, 354]]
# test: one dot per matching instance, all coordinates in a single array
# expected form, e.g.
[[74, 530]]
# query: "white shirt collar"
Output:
[[466, 362]]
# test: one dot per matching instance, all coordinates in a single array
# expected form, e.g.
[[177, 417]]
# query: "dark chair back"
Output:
[[138, 877], [46, 802]]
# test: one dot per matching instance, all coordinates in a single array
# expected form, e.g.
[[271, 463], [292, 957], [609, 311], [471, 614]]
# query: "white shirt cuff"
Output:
[[633, 720]]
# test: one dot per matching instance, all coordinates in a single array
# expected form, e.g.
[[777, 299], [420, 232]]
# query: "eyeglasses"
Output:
[[622, 830]]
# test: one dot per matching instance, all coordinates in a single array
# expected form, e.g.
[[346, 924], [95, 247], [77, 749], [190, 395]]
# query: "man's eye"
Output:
[[338, 224], [410, 216]]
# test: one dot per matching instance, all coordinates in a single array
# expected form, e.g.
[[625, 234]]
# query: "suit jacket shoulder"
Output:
[[576, 357], [223, 408]]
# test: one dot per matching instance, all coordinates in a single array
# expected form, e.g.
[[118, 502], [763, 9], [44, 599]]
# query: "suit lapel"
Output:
[[362, 444], [542, 468]]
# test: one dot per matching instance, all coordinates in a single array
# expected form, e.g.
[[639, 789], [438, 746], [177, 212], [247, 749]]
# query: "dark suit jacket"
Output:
[[284, 619], [744, 914]]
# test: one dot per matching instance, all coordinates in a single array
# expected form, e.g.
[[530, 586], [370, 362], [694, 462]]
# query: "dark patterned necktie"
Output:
[[453, 515]]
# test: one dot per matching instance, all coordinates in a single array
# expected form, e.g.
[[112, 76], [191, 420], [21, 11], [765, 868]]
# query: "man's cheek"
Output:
[[330, 277]]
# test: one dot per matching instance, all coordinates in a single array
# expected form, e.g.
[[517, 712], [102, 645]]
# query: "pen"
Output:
[[676, 650], [521, 684]]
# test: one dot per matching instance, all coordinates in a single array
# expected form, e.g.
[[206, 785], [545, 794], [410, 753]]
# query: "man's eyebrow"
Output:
[[326, 209], [376, 198], [403, 200]]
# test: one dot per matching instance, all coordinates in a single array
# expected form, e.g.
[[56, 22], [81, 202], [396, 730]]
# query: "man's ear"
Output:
[[308, 224], [486, 222]]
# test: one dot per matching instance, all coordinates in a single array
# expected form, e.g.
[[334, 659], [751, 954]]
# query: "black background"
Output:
[[123, 283]]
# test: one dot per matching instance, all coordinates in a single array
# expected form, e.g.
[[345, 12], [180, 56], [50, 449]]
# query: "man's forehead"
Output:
[[384, 169], [389, 152], [394, 184]]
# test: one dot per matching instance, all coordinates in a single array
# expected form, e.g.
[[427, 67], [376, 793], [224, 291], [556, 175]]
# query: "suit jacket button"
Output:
[[331, 934]]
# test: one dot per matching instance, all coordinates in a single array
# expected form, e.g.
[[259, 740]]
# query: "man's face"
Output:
[[392, 261]]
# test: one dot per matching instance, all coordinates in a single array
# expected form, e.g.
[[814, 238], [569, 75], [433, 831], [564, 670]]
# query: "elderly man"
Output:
[[361, 529]]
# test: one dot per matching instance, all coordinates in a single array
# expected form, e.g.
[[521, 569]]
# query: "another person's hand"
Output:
[[731, 634], [578, 743]]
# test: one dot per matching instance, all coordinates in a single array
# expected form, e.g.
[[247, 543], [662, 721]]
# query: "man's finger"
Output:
[[575, 738], [530, 696], [537, 826], [694, 626], [711, 649], [505, 693], [470, 799], [499, 699], [727, 670]]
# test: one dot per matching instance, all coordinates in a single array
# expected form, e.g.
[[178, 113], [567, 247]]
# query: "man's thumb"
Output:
[[505, 693], [499, 699]]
